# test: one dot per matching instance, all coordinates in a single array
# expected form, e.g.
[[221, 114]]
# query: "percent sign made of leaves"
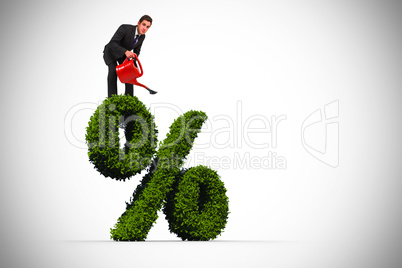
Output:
[[193, 200]]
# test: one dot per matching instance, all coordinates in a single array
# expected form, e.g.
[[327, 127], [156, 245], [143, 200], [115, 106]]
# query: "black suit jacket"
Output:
[[122, 41]]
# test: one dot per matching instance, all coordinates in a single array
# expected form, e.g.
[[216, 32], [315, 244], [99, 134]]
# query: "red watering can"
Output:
[[128, 73]]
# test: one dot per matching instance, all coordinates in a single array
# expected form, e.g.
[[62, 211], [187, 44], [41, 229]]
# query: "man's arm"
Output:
[[129, 54], [114, 43], [137, 49]]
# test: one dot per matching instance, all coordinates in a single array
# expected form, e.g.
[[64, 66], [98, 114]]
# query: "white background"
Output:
[[258, 59]]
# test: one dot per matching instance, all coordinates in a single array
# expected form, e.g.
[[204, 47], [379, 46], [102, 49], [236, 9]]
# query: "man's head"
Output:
[[144, 24]]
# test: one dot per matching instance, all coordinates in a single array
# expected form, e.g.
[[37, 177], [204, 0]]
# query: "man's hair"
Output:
[[147, 18]]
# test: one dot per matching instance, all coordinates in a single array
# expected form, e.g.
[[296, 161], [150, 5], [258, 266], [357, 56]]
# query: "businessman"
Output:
[[126, 42]]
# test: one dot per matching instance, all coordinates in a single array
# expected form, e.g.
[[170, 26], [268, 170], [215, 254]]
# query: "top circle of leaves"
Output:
[[103, 140]]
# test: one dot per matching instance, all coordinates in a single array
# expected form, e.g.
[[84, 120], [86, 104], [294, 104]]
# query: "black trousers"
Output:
[[112, 81]]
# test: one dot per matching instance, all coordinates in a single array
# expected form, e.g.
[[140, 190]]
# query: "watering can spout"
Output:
[[135, 82], [128, 73], [151, 91]]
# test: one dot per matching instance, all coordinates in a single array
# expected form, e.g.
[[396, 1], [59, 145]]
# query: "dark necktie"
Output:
[[135, 39]]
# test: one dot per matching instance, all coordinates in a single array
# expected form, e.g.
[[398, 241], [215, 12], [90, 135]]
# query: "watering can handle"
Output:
[[139, 63]]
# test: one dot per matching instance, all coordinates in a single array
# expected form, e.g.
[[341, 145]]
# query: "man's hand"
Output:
[[130, 54]]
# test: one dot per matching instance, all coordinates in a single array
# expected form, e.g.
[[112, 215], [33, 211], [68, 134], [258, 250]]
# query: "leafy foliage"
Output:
[[197, 207], [194, 200], [103, 139]]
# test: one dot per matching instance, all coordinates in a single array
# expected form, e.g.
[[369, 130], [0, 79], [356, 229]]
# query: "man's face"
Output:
[[143, 26]]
